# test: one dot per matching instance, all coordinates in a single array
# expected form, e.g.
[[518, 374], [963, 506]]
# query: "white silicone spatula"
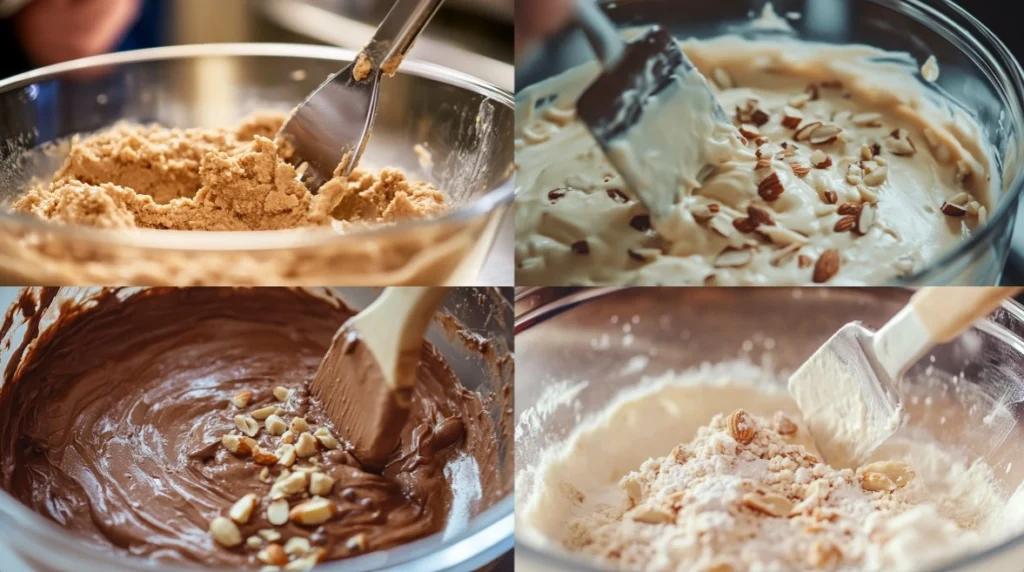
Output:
[[365, 381], [848, 390]]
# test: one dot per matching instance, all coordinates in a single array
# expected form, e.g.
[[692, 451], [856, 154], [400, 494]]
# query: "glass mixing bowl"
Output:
[[464, 123], [597, 335], [469, 317], [978, 73]]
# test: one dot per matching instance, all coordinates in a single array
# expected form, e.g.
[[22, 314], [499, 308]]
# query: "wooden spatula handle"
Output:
[[947, 311]]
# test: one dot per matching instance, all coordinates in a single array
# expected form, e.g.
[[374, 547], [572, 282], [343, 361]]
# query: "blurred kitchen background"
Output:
[[471, 36]]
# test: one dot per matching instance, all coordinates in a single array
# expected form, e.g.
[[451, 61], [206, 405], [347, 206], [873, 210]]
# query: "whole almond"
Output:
[[313, 512], [741, 426], [826, 267], [225, 532], [770, 188], [849, 208], [846, 223]]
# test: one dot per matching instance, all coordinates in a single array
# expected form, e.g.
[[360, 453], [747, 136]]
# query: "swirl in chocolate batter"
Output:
[[113, 426]]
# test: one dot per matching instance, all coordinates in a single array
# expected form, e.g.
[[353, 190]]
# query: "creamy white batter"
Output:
[[577, 500], [850, 174]]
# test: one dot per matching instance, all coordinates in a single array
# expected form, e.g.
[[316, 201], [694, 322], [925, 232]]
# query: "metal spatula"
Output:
[[848, 390], [337, 118], [650, 110], [366, 380]]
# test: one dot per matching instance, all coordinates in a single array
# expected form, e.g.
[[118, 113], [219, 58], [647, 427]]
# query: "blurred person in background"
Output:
[[36, 33], [536, 19]]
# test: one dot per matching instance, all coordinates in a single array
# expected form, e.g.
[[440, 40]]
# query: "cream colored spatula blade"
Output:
[[848, 392], [367, 377]]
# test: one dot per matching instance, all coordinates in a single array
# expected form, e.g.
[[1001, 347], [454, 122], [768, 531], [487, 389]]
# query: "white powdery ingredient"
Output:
[[695, 508]]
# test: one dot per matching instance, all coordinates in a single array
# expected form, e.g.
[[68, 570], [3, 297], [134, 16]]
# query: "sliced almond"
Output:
[[950, 209], [825, 210], [798, 101], [854, 174], [768, 503], [982, 215], [826, 267], [845, 223], [291, 485], [741, 427], [800, 170], [650, 515], [770, 188], [299, 425], [722, 78], [326, 439], [241, 511], [899, 143], [820, 159], [264, 412], [783, 254], [273, 555], [865, 219], [791, 118], [238, 444], [320, 484], [877, 176], [282, 393], [262, 457], [225, 532], [867, 119], [247, 425], [733, 258], [960, 199], [762, 164], [804, 133], [313, 512], [825, 134], [305, 446], [242, 399], [277, 512], [782, 235]]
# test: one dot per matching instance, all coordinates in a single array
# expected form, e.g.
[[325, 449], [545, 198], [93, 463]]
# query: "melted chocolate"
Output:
[[112, 424]]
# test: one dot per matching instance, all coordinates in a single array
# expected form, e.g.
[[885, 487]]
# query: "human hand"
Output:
[[536, 19], [53, 31]]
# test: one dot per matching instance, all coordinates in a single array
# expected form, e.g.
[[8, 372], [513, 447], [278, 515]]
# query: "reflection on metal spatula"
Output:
[[650, 110], [848, 391], [337, 118]]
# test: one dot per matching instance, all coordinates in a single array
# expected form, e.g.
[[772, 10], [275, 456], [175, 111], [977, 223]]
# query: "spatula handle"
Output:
[[600, 31], [946, 312], [400, 28]]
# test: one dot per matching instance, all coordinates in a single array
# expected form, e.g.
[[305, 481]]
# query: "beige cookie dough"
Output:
[[153, 177]]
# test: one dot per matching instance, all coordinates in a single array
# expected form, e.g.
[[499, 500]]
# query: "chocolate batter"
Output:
[[114, 427]]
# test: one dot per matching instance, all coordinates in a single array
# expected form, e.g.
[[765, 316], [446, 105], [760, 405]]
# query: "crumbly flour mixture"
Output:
[[838, 167], [134, 176], [743, 489]]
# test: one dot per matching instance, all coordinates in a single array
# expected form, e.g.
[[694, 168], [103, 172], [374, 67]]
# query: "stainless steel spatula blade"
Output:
[[848, 400]]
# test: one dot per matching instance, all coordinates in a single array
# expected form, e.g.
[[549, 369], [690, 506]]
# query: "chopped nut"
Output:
[[741, 427], [306, 562], [784, 425], [804, 133], [320, 484], [960, 199], [313, 512], [275, 425], [326, 439], [813, 91], [242, 509], [254, 542], [824, 554], [867, 119], [791, 118], [291, 485], [768, 503], [265, 476], [982, 214], [730, 258], [798, 101], [751, 113], [877, 482], [783, 254], [273, 554], [950, 209], [282, 393], [264, 412], [762, 164], [242, 398], [238, 444], [297, 545], [305, 446], [826, 267], [782, 236], [749, 131], [804, 261], [269, 534], [286, 455], [760, 216], [277, 512], [225, 532], [247, 425], [288, 438], [846, 223], [825, 134], [770, 188], [263, 457], [900, 474], [299, 425], [800, 170], [877, 176], [899, 143], [651, 515], [356, 543], [580, 247], [820, 159], [866, 219]]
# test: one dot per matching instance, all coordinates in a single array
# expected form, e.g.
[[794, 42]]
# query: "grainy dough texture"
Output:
[[133, 176]]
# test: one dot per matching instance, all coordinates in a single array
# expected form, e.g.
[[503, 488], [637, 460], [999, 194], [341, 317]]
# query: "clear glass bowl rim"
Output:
[[1003, 69], [501, 194], [552, 300]]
